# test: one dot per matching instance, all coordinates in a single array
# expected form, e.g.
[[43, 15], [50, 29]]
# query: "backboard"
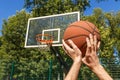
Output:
[[54, 25]]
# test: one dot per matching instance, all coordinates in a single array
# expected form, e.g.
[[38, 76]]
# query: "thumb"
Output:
[[84, 61]]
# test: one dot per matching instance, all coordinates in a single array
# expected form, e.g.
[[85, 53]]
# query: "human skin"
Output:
[[76, 55], [90, 59]]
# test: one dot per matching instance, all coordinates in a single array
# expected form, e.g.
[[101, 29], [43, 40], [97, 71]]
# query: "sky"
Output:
[[106, 6], [9, 7]]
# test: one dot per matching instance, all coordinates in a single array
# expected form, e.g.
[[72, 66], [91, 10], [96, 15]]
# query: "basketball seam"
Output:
[[79, 36], [83, 45], [80, 27], [94, 29], [86, 29], [76, 36]]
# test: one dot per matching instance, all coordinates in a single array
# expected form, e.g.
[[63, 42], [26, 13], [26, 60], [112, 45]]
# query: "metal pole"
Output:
[[57, 54], [50, 70], [12, 71]]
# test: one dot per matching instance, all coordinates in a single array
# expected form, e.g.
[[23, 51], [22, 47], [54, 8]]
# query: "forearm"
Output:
[[101, 73], [74, 71]]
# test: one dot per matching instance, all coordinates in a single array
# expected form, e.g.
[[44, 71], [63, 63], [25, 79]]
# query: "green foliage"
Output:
[[108, 24], [4, 60], [34, 63], [13, 38], [109, 27], [27, 62], [50, 7]]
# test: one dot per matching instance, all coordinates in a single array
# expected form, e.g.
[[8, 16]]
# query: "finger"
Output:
[[91, 39], [84, 61], [98, 45], [95, 43], [66, 46], [88, 50], [75, 48], [66, 51], [72, 44]]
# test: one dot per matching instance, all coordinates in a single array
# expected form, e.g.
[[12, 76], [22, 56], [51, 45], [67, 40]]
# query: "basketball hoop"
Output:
[[44, 41]]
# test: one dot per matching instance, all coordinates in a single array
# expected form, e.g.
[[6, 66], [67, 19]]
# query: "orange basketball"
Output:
[[78, 31]]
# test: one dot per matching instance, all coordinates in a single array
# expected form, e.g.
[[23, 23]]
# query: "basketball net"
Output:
[[44, 44]]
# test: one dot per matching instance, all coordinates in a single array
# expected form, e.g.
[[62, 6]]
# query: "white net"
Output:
[[44, 44], [43, 47]]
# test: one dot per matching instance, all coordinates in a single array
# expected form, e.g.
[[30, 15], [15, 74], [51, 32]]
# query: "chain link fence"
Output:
[[52, 70]]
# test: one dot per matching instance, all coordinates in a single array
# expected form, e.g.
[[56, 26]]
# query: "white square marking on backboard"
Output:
[[51, 30]]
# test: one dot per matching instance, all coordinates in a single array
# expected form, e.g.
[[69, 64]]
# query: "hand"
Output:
[[76, 56], [91, 58], [73, 52]]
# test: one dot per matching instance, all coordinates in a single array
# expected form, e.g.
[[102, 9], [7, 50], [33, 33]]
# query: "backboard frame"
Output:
[[57, 15]]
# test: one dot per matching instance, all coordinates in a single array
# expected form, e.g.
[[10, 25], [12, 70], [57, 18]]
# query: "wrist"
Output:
[[77, 63], [101, 73], [97, 68]]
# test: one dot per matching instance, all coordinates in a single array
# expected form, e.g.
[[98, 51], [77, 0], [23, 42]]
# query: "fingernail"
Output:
[[90, 34], [69, 40], [62, 40], [86, 38], [95, 36]]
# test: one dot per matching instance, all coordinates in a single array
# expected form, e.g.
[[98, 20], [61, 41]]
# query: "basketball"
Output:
[[78, 31]]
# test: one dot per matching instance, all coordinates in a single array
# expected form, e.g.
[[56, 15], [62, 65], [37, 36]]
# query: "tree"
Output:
[[4, 61], [13, 34], [27, 62], [50, 7], [108, 24]]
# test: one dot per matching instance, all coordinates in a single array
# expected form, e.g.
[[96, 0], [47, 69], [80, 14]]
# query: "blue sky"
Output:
[[9, 8], [106, 6]]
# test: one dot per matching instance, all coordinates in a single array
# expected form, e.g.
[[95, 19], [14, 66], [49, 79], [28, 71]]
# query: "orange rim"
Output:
[[38, 38]]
